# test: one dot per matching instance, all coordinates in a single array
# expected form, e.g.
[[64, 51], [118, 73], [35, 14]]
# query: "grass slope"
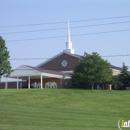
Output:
[[62, 109]]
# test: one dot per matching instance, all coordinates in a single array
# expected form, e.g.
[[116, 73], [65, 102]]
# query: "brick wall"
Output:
[[12, 85], [55, 64]]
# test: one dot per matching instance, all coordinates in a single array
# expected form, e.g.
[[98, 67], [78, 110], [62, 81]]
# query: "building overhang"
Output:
[[23, 72]]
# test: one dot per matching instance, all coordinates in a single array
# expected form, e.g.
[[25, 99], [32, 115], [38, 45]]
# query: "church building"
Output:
[[53, 73]]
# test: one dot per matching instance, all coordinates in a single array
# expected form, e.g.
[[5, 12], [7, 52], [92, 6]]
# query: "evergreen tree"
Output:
[[124, 78], [5, 67]]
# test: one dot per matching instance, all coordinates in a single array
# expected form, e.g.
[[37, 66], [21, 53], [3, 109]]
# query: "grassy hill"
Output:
[[62, 109]]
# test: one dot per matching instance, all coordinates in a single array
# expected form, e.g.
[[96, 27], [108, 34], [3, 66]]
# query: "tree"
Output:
[[5, 67], [124, 78], [90, 70]]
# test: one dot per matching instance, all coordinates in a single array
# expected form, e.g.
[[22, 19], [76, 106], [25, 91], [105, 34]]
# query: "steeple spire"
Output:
[[69, 43], [68, 32]]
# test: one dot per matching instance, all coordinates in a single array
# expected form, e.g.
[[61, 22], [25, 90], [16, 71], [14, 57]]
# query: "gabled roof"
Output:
[[74, 55], [24, 70]]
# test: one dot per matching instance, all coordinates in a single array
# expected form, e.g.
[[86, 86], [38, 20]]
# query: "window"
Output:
[[51, 84], [64, 63]]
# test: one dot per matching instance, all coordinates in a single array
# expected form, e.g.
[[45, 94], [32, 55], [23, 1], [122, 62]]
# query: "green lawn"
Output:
[[62, 109]]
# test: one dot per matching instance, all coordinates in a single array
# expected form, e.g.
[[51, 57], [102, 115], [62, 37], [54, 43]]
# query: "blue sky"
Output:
[[23, 12]]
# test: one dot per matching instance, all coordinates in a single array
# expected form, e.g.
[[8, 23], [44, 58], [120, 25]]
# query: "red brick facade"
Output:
[[56, 65], [11, 85]]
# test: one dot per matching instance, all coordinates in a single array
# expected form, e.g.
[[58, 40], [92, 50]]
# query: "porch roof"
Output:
[[25, 71]]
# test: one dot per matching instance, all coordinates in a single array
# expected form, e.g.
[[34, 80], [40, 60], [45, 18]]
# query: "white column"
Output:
[[6, 83], [41, 81], [28, 82], [35, 84], [17, 83], [110, 87]]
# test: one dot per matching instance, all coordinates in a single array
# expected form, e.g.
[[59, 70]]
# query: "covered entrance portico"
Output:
[[38, 77]]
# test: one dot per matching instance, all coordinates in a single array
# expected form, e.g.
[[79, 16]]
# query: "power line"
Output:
[[96, 19], [56, 68], [54, 29], [71, 35], [66, 58], [116, 55]]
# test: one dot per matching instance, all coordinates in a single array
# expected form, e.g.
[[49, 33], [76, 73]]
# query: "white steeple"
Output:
[[69, 43]]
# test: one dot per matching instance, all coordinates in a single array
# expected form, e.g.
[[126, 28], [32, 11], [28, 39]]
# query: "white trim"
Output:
[[52, 75], [25, 75], [68, 72], [66, 77], [41, 81], [56, 57], [43, 74], [55, 76], [28, 82], [13, 81]]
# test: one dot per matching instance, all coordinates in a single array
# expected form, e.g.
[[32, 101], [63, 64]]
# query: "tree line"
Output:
[[93, 70]]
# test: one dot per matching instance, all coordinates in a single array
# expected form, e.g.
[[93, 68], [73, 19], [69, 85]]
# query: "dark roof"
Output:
[[115, 67], [48, 71]]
